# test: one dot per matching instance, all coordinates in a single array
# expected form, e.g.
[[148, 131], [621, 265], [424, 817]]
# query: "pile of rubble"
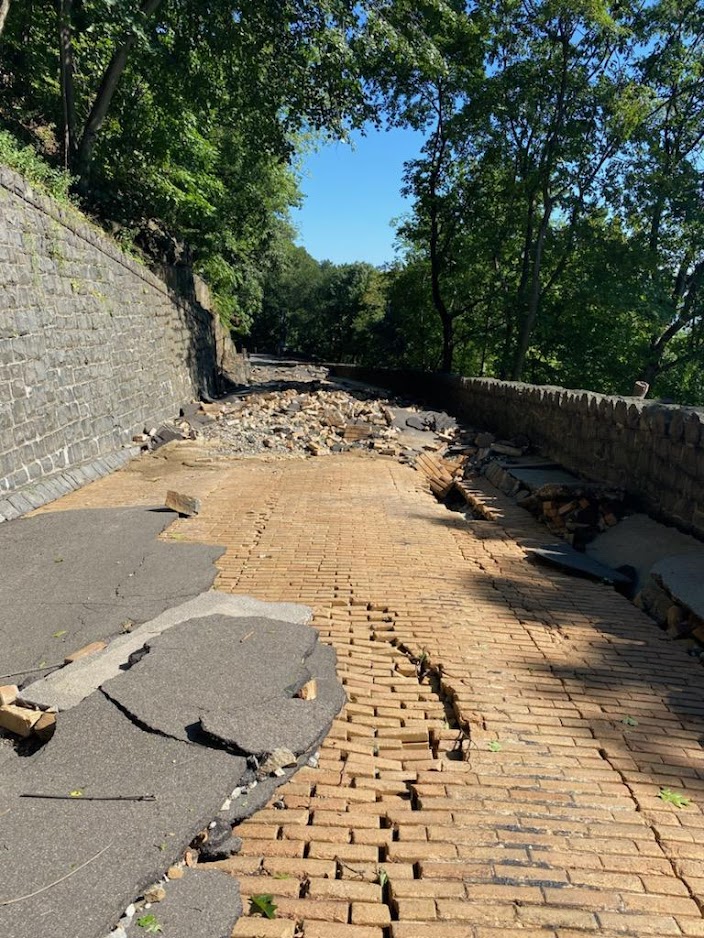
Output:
[[314, 421], [299, 413], [577, 512]]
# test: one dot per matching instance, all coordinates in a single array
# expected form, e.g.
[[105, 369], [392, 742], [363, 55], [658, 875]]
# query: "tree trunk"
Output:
[[448, 343], [103, 99], [531, 313], [67, 91], [4, 10]]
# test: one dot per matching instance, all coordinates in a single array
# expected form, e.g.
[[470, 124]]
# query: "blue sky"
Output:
[[352, 193]]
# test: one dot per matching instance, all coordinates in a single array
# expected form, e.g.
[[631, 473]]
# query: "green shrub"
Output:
[[26, 161]]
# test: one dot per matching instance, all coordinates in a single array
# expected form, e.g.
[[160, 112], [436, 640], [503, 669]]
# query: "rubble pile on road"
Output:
[[576, 514], [312, 422], [313, 419]]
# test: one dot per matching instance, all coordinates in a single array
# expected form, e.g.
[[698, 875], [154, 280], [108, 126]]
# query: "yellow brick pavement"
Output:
[[511, 791]]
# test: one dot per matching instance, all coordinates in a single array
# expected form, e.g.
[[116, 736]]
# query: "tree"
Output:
[[421, 87], [663, 188]]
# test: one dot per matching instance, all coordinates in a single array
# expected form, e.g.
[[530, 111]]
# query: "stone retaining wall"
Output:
[[93, 348], [654, 451]]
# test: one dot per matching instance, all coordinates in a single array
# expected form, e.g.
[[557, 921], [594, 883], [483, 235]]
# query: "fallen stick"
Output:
[[48, 667], [91, 797], [37, 892]]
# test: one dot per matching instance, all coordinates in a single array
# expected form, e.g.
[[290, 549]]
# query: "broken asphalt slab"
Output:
[[71, 684], [641, 542], [77, 864], [111, 850], [74, 577], [683, 578], [567, 558], [210, 664]]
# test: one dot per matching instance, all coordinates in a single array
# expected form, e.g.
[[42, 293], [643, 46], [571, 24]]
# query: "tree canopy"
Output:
[[557, 225]]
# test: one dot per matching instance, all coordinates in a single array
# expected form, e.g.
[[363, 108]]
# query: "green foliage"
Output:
[[495, 745], [262, 905], [149, 923], [673, 797], [26, 161], [184, 119], [319, 308], [557, 223]]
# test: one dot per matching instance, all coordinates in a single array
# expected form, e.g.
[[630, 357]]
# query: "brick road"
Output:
[[513, 790]]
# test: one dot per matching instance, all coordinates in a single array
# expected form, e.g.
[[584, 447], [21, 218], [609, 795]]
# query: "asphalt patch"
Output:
[[125, 845], [73, 577]]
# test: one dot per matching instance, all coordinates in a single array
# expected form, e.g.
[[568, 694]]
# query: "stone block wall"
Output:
[[93, 347], [654, 451]]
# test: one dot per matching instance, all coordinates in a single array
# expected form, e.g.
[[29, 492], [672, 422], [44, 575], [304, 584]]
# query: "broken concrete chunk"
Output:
[[276, 760], [165, 434], [185, 505], [218, 842], [416, 422], [155, 893], [309, 691]]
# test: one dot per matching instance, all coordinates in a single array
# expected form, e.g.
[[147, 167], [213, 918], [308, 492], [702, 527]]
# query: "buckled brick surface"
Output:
[[503, 794]]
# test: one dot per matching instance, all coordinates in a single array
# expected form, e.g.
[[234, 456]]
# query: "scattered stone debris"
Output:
[[291, 409], [311, 422]]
